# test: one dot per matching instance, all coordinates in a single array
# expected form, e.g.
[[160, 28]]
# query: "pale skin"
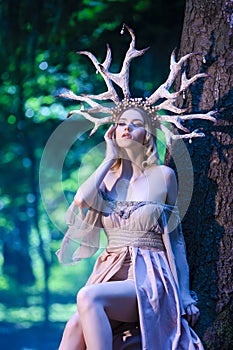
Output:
[[117, 300]]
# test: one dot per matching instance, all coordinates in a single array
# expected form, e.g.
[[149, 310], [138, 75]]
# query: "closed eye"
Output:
[[136, 124]]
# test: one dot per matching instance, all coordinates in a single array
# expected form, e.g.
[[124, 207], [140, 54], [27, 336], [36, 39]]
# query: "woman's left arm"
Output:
[[179, 251]]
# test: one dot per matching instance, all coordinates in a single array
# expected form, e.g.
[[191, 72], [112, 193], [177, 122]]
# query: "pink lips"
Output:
[[126, 136]]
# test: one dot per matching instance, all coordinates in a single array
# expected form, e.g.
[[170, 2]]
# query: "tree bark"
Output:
[[208, 224]]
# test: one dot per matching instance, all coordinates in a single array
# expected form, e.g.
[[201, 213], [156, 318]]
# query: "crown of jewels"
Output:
[[150, 104]]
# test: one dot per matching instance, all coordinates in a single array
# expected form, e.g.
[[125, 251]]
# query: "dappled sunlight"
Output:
[[37, 294]]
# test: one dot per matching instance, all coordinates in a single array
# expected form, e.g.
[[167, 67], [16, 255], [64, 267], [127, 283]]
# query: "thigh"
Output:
[[118, 299]]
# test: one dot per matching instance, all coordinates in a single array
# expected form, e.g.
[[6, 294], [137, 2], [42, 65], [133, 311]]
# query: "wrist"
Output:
[[110, 160], [188, 299]]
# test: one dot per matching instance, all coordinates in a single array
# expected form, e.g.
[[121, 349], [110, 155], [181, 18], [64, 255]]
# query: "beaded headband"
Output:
[[148, 104]]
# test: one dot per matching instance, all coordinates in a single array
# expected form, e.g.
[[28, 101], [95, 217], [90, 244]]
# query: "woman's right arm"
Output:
[[88, 191]]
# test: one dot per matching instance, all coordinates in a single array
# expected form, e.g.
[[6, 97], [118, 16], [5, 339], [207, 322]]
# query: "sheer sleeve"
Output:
[[176, 252], [83, 235]]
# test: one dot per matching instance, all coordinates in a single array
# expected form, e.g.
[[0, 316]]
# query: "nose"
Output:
[[128, 127]]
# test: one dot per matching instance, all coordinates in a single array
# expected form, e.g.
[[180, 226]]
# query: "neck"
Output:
[[131, 169], [135, 155]]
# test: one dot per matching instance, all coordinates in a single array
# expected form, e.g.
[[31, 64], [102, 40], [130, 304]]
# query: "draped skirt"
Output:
[[161, 324]]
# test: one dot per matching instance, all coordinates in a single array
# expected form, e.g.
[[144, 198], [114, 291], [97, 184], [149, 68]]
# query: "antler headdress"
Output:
[[148, 104]]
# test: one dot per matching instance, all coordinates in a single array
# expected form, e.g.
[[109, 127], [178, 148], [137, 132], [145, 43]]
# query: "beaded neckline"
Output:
[[124, 208]]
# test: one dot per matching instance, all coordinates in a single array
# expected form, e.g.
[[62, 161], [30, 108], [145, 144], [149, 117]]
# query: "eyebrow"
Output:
[[138, 120]]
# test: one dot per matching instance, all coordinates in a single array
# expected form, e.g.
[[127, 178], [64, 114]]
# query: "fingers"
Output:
[[192, 314], [110, 132], [112, 151]]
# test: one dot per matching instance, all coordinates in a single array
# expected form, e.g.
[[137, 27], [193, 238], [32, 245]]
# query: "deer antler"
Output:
[[194, 133], [177, 119], [97, 122], [175, 68], [149, 105], [170, 136], [96, 107], [111, 93], [122, 78], [171, 98]]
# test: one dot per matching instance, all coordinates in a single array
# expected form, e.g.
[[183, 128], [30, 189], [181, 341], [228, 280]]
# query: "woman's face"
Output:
[[130, 126]]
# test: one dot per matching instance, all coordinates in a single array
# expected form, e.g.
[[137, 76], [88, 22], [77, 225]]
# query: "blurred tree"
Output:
[[208, 29], [39, 40]]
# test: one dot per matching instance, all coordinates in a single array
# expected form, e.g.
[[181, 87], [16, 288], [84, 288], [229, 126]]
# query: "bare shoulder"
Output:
[[163, 170], [167, 175]]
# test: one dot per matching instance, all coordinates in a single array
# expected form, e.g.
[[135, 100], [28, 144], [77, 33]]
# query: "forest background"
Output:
[[45, 157]]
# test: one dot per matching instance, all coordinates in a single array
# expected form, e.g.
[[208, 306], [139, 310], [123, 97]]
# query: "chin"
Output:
[[124, 142]]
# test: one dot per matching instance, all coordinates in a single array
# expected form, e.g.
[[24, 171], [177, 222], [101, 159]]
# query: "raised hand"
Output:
[[111, 146]]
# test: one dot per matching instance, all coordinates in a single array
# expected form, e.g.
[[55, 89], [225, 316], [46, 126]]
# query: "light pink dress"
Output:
[[137, 249]]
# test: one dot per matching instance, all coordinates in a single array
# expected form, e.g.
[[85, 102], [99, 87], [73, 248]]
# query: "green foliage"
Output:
[[37, 58]]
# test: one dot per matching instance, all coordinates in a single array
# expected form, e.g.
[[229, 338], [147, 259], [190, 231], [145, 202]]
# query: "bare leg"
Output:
[[99, 303], [72, 338]]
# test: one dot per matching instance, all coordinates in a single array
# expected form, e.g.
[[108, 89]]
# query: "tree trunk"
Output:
[[208, 28]]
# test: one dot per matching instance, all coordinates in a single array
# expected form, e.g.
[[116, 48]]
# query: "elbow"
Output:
[[79, 201]]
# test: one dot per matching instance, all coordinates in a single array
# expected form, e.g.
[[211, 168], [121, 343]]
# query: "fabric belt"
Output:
[[147, 240]]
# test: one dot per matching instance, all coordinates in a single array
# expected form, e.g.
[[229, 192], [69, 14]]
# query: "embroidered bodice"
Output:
[[137, 223], [126, 223]]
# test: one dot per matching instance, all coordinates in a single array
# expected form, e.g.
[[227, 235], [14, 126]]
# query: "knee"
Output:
[[87, 298], [72, 335], [73, 327], [74, 322]]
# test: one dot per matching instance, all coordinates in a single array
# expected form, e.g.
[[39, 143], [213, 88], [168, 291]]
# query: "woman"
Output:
[[138, 294]]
